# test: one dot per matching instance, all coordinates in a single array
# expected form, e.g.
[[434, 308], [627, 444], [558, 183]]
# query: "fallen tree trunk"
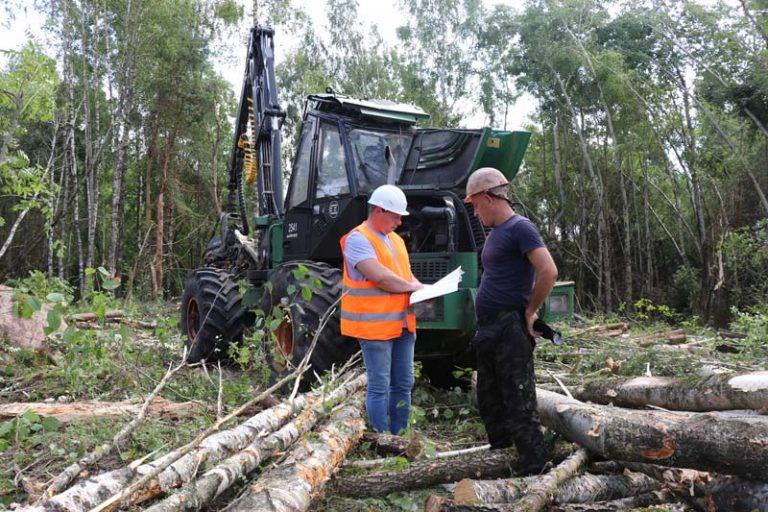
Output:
[[200, 492], [292, 485], [177, 465], [541, 490], [708, 491], [90, 317], [713, 393], [426, 473], [641, 501], [436, 503], [708, 441], [581, 489], [87, 410]]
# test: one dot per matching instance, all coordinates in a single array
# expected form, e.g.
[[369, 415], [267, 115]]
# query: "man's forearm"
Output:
[[541, 289], [395, 284]]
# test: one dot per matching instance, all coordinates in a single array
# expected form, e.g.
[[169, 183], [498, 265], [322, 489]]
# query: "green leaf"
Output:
[[291, 289], [306, 293], [90, 271], [7, 427], [275, 323], [104, 272], [110, 284], [3, 445], [53, 321], [55, 297], [251, 297], [50, 424], [30, 417], [31, 305]]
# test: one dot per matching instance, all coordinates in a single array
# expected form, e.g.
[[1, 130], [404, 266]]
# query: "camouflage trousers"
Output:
[[506, 389]]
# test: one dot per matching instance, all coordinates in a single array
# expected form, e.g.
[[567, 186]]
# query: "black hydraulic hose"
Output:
[[241, 201]]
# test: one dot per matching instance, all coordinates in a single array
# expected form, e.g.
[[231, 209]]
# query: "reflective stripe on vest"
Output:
[[369, 312]]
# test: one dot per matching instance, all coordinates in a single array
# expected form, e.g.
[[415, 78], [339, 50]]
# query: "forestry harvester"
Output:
[[347, 148]]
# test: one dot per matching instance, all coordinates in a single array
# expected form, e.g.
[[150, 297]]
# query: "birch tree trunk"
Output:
[[706, 441], [717, 392], [199, 493], [580, 489], [292, 485]]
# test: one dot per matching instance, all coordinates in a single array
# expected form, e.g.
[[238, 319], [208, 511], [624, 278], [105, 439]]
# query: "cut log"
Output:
[[711, 491], [292, 485], [200, 492], [707, 441], [715, 392], [435, 503], [88, 410], [90, 317], [178, 465], [426, 473], [621, 326], [643, 501], [541, 491], [581, 489]]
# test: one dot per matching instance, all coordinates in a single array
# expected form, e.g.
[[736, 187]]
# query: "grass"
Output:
[[116, 363]]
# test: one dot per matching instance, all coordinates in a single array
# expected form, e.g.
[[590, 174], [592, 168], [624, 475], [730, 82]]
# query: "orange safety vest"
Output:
[[367, 311]]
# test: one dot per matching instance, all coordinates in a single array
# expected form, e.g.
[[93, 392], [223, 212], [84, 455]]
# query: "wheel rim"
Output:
[[193, 319], [283, 342]]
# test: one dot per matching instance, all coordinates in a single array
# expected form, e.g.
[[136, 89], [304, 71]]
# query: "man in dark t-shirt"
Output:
[[518, 274]]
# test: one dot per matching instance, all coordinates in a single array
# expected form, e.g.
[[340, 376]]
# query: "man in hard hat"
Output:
[[518, 274], [375, 308]]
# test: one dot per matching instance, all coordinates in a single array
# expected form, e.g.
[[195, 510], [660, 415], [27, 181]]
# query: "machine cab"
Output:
[[340, 160]]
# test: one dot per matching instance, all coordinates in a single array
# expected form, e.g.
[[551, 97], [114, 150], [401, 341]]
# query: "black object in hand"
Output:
[[547, 332]]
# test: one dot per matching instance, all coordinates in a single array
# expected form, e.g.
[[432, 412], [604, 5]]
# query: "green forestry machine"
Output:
[[346, 149]]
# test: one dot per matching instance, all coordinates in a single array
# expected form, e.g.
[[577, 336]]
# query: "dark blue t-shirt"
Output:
[[508, 276]]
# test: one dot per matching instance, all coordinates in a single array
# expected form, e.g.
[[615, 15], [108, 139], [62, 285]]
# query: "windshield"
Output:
[[368, 155]]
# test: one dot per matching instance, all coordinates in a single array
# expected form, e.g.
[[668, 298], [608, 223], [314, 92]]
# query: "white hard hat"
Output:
[[390, 198]]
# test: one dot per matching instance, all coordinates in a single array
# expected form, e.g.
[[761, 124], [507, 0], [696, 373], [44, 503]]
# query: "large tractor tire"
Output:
[[212, 314], [301, 319]]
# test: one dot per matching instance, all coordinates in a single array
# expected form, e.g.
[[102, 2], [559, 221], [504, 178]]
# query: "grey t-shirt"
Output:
[[358, 248]]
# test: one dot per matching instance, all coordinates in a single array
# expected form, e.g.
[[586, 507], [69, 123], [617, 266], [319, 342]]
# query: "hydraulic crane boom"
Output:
[[256, 143]]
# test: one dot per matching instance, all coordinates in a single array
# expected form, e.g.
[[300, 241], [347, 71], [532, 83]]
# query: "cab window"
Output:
[[332, 170], [300, 180]]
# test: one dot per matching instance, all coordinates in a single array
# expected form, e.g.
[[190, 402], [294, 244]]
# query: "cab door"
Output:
[[298, 210], [330, 218]]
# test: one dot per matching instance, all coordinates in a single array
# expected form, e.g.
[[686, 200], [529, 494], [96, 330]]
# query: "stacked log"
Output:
[[105, 491], [716, 392]]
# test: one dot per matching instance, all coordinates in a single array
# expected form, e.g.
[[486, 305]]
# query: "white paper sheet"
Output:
[[446, 285]]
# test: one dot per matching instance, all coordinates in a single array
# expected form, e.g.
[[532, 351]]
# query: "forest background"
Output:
[[646, 173]]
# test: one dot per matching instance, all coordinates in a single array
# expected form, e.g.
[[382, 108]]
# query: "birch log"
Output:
[[200, 492], [641, 501], [436, 503], [708, 441], [426, 473], [89, 493], [711, 491], [541, 491], [292, 485], [714, 393], [581, 489]]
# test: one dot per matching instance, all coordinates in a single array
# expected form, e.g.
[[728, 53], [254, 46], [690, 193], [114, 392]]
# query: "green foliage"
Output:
[[745, 257], [23, 428], [646, 310], [754, 324]]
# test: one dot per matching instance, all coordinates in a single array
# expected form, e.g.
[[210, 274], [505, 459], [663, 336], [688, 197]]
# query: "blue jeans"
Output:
[[389, 366]]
